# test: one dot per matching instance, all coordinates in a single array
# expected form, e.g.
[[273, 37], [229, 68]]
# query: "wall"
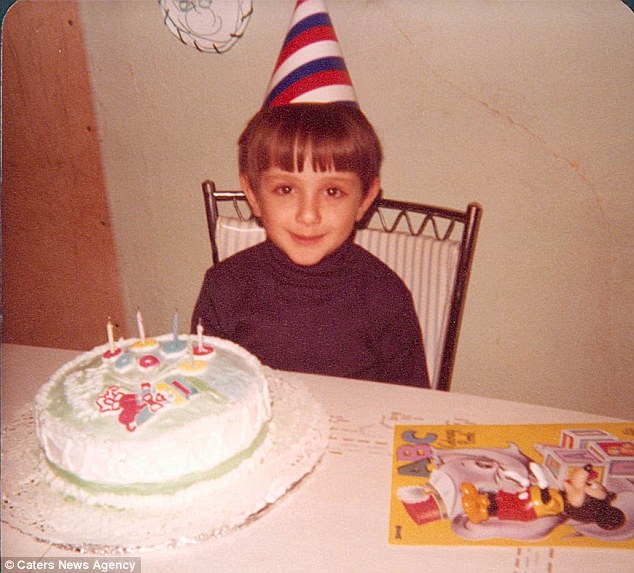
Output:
[[59, 271], [524, 106]]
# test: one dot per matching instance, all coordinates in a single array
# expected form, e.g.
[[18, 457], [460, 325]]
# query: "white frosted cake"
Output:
[[152, 418]]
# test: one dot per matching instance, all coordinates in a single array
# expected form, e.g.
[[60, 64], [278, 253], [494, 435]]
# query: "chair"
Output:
[[430, 248]]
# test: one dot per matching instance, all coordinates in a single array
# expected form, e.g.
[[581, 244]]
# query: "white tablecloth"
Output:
[[337, 519]]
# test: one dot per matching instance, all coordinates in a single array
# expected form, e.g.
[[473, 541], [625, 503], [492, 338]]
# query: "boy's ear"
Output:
[[368, 199], [251, 196]]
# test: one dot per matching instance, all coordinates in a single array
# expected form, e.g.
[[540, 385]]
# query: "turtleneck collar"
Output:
[[329, 272]]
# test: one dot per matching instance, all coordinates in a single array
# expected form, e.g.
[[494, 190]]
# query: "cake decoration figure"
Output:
[[136, 408], [176, 391], [124, 362], [161, 384], [126, 404], [148, 362], [191, 365]]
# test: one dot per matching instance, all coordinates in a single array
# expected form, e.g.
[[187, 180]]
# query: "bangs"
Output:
[[335, 137], [330, 151]]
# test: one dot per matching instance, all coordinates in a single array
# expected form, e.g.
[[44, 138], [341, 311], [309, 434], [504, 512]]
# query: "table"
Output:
[[337, 520]]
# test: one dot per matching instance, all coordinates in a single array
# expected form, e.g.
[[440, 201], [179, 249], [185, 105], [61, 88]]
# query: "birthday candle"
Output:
[[110, 330], [199, 329], [175, 325], [139, 322]]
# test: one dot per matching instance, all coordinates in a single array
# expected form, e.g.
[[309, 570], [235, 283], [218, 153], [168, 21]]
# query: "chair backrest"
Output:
[[430, 248]]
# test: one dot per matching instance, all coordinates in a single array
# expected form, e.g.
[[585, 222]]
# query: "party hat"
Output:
[[310, 67]]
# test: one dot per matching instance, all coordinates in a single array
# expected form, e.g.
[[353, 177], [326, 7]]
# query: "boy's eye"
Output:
[[283, 190], [334, 192]]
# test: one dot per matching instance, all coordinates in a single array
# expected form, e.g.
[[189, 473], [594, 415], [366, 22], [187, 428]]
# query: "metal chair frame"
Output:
[[433, 216]]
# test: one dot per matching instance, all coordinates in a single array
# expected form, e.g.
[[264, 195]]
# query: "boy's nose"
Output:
[[308, 211]]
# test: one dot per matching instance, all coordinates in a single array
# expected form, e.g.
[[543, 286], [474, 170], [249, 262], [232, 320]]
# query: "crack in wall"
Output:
[[509, 119]]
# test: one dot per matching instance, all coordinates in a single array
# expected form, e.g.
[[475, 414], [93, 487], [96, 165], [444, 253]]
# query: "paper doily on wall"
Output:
[[207, 25]]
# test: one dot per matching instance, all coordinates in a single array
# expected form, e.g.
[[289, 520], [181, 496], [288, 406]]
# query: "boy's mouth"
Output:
[[306, 240]]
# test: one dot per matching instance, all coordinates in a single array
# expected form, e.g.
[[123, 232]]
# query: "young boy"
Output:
[[309, 299]]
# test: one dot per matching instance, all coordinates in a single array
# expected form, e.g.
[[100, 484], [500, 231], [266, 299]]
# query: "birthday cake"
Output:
[[149, 419]]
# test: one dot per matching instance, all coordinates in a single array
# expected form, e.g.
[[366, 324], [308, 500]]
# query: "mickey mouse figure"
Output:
[[583, 498], [588, 501]]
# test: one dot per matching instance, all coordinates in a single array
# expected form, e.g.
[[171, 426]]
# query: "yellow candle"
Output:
[[110, 330]]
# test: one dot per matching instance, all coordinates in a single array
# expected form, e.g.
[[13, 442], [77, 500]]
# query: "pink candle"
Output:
[[139, 322]]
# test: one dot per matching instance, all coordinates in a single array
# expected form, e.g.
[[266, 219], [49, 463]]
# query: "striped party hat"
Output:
[[310, 68]]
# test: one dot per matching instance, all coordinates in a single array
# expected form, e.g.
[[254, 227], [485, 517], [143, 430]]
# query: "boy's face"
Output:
[[309, 214]]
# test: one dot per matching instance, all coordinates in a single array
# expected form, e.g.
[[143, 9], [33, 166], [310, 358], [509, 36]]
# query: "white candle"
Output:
[[199, 329], [110, 330], [139, 322]]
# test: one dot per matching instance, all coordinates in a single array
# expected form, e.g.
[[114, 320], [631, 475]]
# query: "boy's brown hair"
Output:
[[336, 136]]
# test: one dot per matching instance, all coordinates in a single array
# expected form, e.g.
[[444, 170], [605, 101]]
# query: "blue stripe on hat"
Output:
[[312, 21], [308, 69]]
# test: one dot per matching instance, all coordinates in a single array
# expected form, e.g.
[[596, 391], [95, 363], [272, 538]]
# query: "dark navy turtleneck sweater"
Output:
[[349, 315]]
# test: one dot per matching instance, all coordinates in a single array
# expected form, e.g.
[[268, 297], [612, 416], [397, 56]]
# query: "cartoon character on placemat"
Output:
[[501, 493], [582, 499]]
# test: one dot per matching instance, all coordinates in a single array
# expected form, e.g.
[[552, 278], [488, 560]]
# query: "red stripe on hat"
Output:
[[318, 34], [314, 81]]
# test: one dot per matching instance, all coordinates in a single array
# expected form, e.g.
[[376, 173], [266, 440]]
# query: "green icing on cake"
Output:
[[167, 488], [135, 425]]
